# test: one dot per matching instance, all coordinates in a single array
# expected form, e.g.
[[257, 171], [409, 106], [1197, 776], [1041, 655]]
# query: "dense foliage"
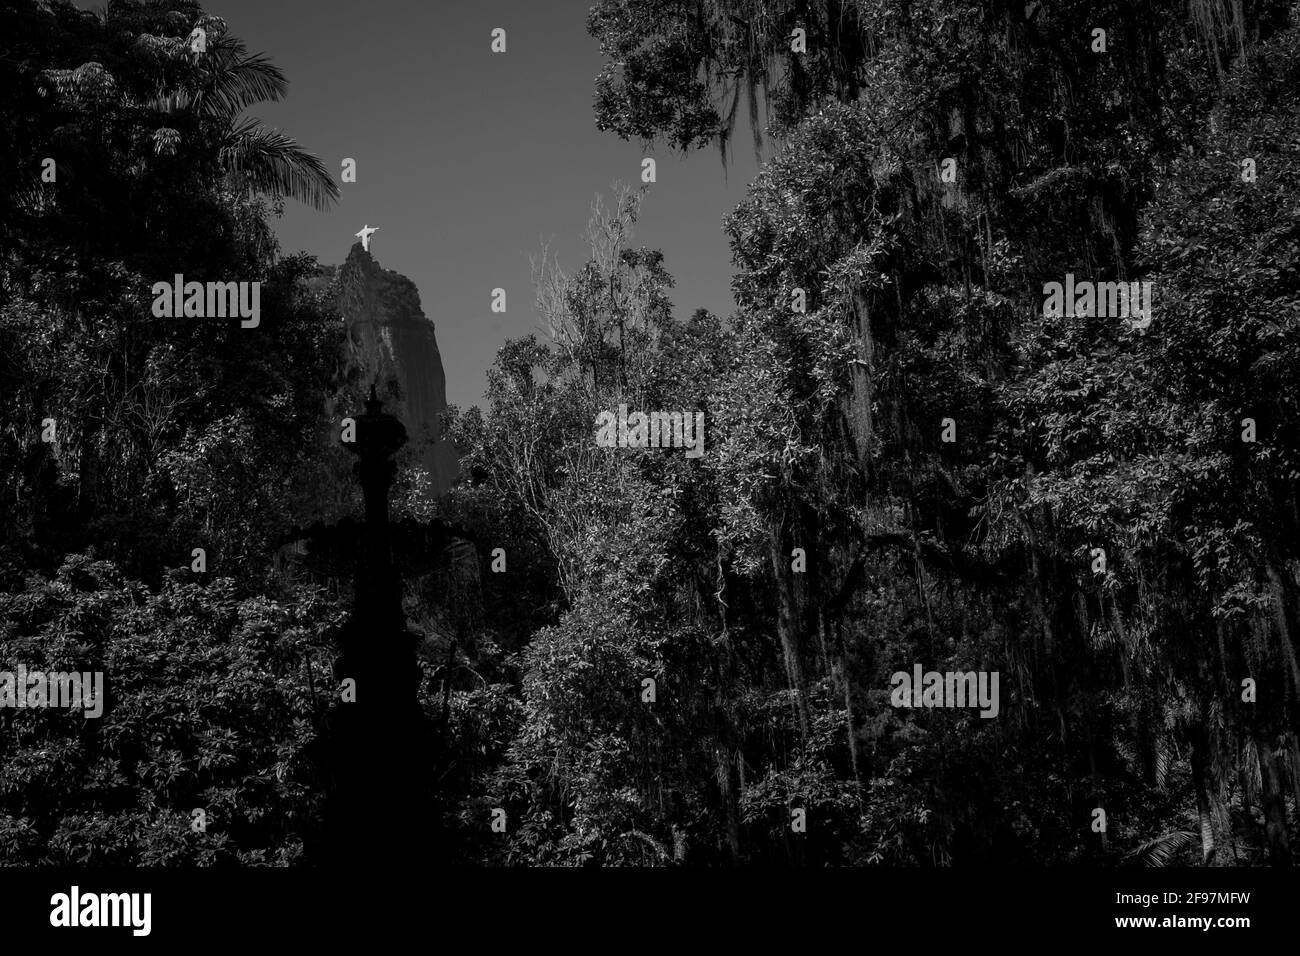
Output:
[[1158, 685], [667, 659]]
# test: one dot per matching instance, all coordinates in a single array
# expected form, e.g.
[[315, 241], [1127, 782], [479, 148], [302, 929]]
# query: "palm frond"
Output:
[[1164, 760], [270, 161], [1164, 848], [224, 81], [170, 102], [164, 141], [160, 48], [231, 80]]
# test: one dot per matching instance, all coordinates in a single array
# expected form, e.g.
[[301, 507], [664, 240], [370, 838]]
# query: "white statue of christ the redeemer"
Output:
[[365, 234]]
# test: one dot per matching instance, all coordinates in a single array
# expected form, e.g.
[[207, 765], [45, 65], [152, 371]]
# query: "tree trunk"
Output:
[[1137, 712], [1098, 790], [862, 392], [1282, 618], [730, 798], [787, 626], [88, 466], [1272, 802], [842, 674], [1209, 814]]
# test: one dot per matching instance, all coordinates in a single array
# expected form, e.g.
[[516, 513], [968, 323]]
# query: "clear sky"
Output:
[[467, 160]]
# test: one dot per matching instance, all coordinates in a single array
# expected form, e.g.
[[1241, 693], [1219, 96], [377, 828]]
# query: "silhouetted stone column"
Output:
[[378, 599], [379, 743]]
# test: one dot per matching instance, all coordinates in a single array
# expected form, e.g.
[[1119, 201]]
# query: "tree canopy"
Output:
[[643, 657]]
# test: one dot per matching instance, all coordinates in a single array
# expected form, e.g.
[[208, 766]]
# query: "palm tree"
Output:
[[221, 83]]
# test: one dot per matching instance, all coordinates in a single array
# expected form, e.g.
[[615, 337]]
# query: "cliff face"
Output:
[[391, 342]]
